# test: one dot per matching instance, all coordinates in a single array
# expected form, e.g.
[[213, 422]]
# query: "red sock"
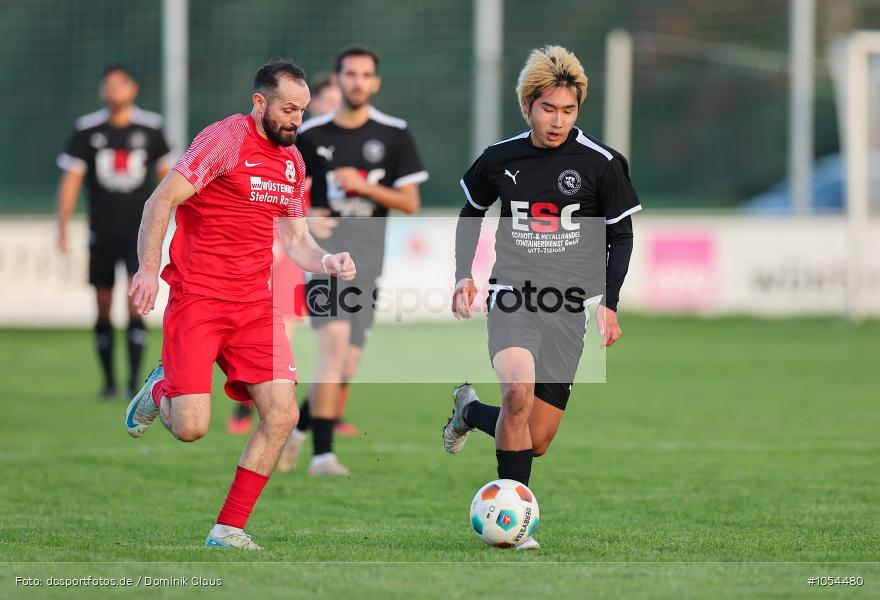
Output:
[[243, 494], [158, 392]]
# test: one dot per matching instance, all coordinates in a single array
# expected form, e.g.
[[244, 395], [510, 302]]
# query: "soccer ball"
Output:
[[504, 513]]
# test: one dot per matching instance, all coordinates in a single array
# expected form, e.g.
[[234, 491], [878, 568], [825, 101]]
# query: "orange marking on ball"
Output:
[[490, 492]]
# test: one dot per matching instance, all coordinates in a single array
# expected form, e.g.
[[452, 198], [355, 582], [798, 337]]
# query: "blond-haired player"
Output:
[[554, 183]]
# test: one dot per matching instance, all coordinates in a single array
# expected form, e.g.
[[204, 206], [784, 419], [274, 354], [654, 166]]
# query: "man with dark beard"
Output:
[[239, 177], [287, 280], [363, 163]]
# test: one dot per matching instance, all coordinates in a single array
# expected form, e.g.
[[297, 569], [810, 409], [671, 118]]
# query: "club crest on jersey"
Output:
[[290, 172], [98, 140], [569, 182], [138, 139], [374, 151]]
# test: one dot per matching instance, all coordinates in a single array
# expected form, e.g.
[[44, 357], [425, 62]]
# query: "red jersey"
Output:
[[223, 244]]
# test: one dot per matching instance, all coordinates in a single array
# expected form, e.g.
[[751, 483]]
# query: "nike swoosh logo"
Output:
[[250, 164], [129, 421], [291, 369]]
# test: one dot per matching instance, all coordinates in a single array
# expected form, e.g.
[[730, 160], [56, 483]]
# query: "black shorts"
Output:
[[106, 250], [555, 339], [331, 299]]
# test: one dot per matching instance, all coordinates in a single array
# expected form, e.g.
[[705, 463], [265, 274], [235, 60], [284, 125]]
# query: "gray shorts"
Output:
[[555, 339]]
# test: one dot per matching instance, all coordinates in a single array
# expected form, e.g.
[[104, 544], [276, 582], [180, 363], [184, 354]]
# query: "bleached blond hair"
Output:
[[550, 66]]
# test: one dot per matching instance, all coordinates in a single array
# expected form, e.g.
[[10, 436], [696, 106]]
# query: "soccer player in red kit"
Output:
[[238, 177], [288, 281]]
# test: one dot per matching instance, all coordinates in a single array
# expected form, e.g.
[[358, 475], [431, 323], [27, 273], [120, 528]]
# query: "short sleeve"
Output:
[[213, 153], [409, 167], [618, 196], [477, 185], [296, 208], [76, 154]]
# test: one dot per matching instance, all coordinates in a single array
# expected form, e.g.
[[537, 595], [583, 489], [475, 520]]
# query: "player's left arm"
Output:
[[619, 240], [305, 252], [620, 201]]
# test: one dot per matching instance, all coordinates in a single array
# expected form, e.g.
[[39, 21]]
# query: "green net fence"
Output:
[[710, 85]]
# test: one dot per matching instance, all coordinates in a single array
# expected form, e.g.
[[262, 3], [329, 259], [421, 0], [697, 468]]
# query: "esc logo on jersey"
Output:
[[121, 169], [543, 217]]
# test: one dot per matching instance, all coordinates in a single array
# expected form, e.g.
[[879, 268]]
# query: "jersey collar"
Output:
[[572, 136]]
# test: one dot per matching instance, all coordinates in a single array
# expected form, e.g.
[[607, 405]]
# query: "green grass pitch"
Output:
[[728, 458]]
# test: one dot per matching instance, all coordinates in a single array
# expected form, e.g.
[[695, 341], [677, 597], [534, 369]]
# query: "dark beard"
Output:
[[276, 136], [351, 105]]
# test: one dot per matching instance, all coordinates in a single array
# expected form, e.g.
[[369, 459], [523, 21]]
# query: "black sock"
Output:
[[322, 435], [137, 341], [104, 345], [515, 464], [305, 417], [482, 416], [243, 410]]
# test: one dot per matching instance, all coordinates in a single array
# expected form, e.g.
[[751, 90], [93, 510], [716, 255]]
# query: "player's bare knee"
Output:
[[189, 432], [294, 412], [517, 392], [282, 418], [291, 417], [517, 400]]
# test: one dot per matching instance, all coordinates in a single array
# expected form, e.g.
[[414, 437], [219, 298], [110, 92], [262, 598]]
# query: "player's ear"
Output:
[[377, 83], [259, 102]]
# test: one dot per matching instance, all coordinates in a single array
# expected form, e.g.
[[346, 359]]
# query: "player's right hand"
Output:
[[463, 297], [143, 291], [339, 265], [321, 225]]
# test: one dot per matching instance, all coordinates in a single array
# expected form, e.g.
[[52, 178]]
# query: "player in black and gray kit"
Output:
[[363, 164], [566, 201], [116, 150]]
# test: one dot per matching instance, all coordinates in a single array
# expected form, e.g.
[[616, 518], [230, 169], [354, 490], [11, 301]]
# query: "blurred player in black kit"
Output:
[[116, 151]]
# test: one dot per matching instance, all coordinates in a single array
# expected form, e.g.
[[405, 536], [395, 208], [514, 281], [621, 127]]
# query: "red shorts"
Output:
[[246, 339]]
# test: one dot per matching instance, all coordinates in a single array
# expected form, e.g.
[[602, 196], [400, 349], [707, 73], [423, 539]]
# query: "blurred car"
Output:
[[829, 189]]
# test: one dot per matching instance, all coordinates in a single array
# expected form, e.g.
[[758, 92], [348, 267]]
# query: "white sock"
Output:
[[319, 458], [296, 434], [221, 531]]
